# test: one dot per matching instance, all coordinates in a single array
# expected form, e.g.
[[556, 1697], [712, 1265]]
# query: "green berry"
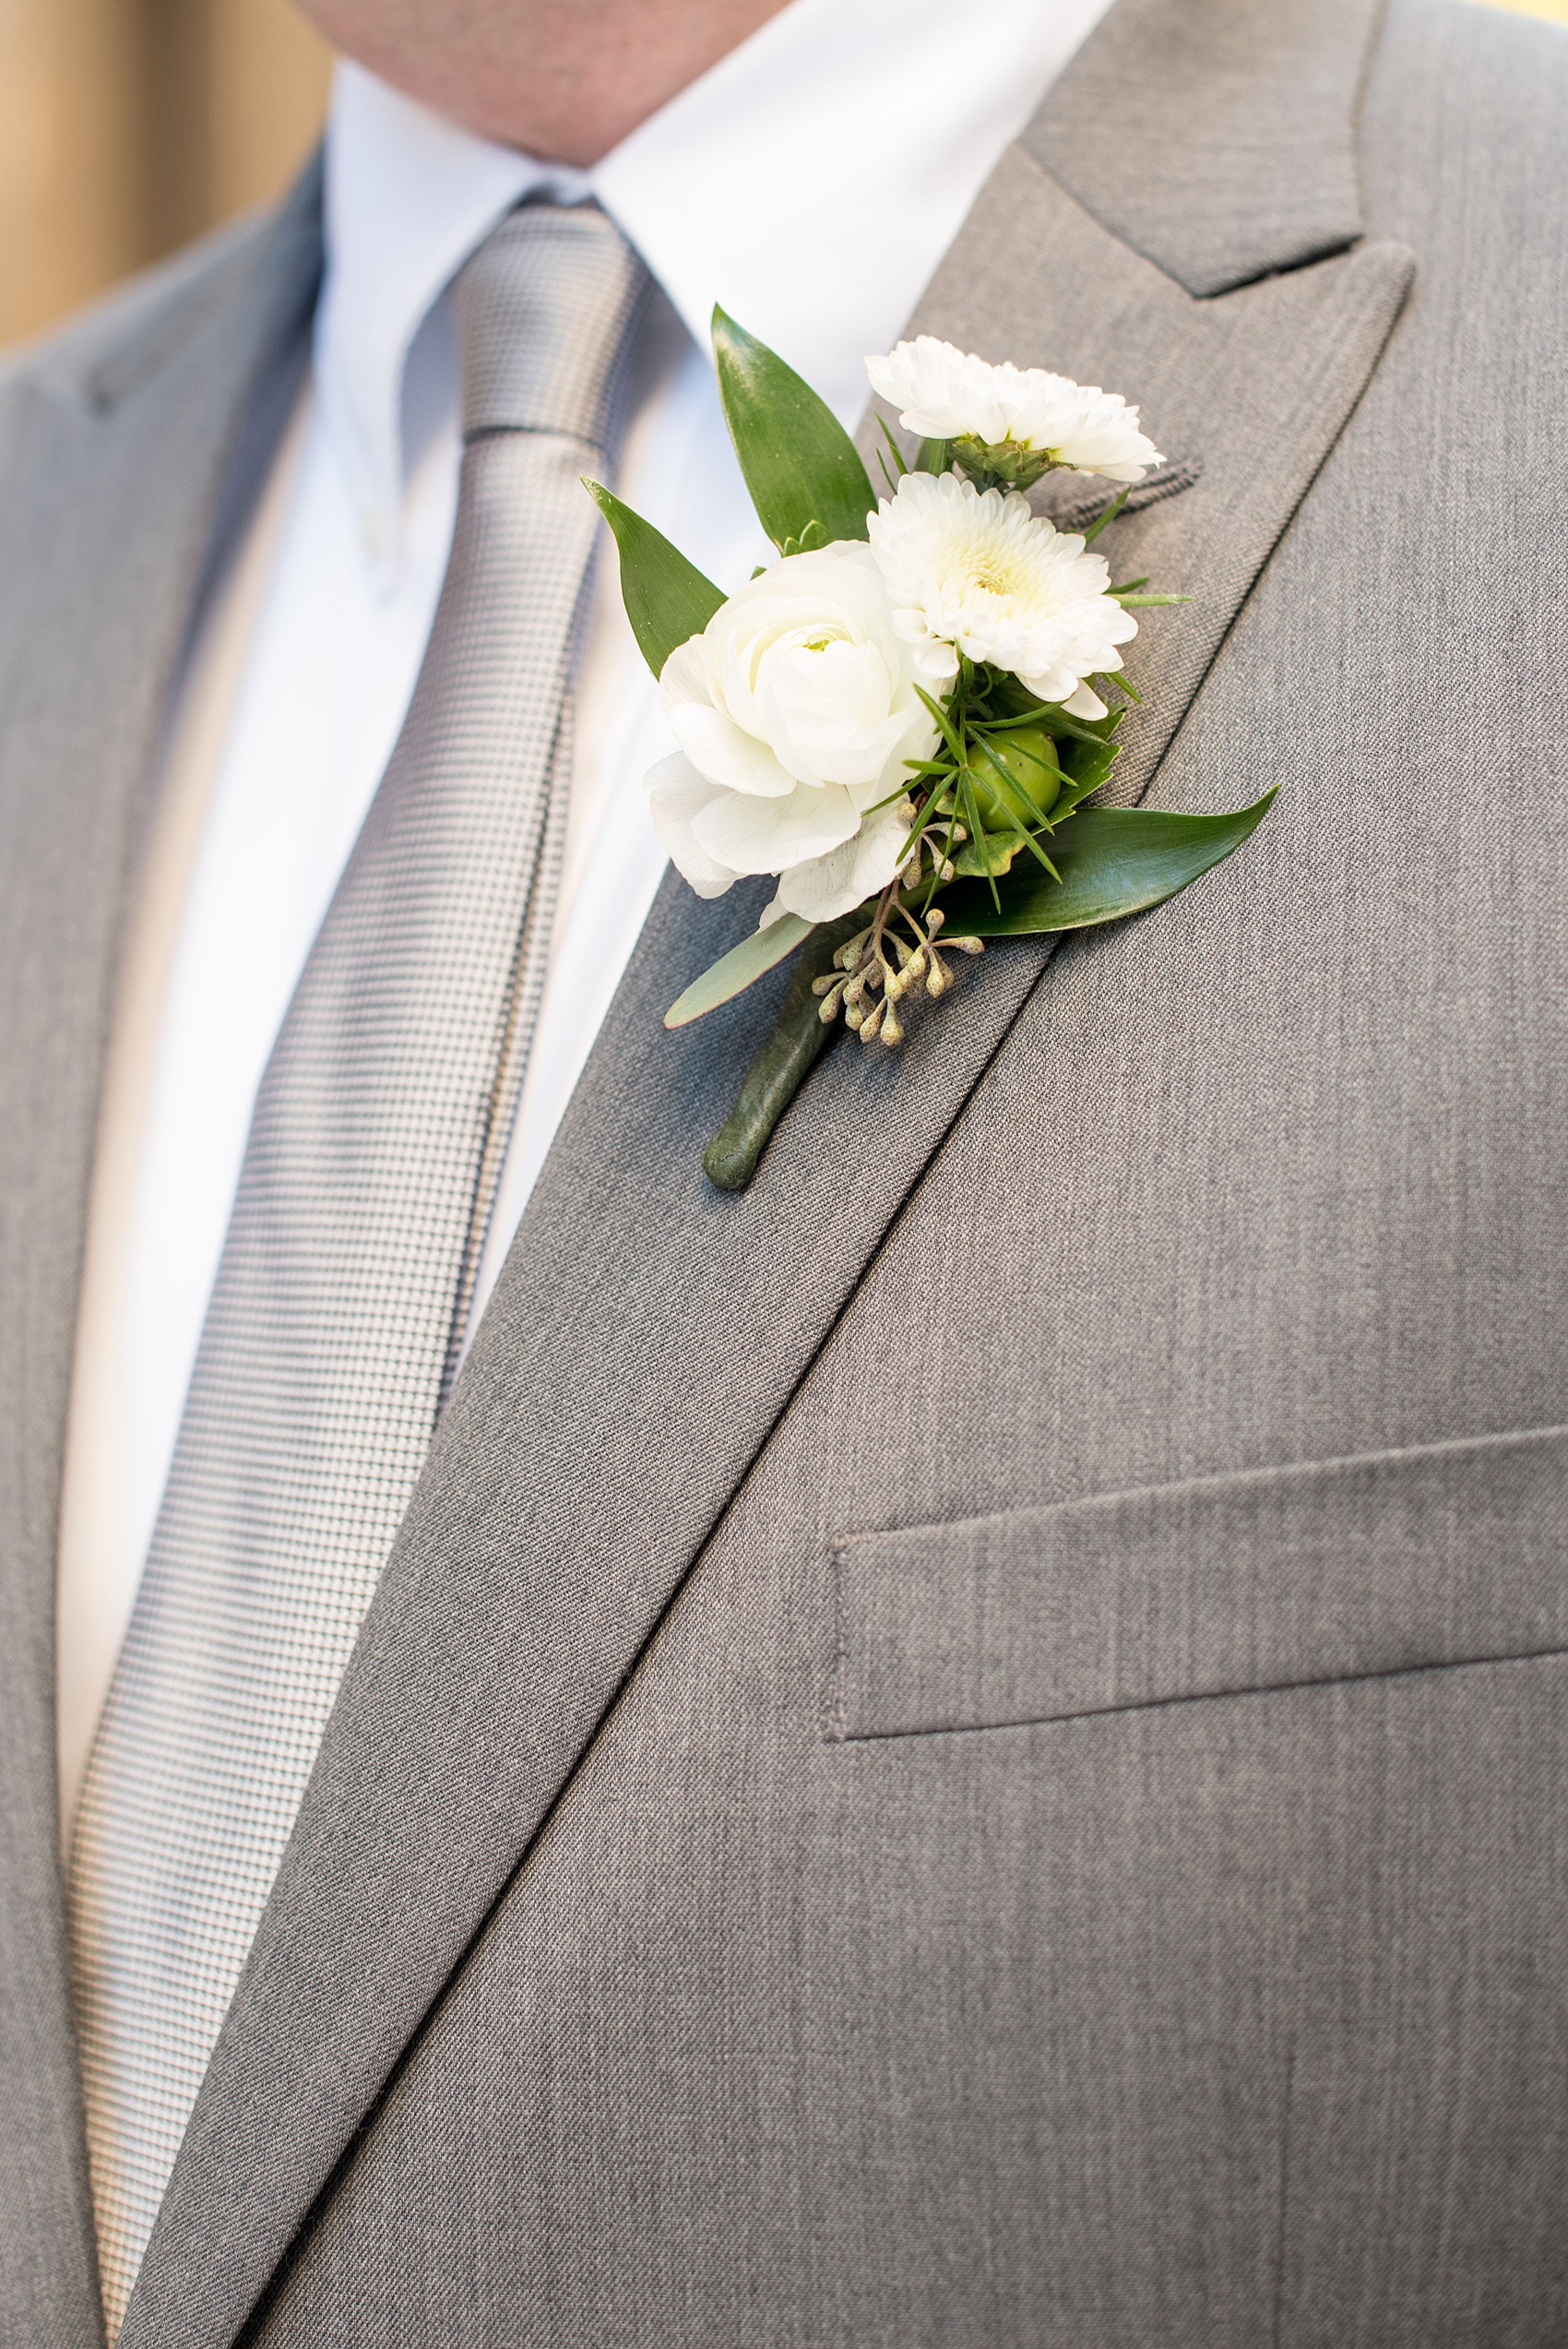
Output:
[[1027, 756]]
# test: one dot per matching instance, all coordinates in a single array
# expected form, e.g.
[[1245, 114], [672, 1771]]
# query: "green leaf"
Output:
[[812, 537], [735, 971], [799, 1038], [1114, 860], [800, 464], [1086, 764], [1001, 851], [667, 598], [1070, 795]]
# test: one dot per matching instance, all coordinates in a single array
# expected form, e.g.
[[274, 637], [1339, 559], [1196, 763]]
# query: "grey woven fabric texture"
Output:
[[1144, 1395], [368, 1174]]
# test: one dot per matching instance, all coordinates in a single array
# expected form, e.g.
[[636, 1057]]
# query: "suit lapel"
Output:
[[1219, 137], [116, 468], [648, 1332], [1249, 388]]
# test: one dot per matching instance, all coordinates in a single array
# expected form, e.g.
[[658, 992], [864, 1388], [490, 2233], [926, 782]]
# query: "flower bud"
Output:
[[999, 464]]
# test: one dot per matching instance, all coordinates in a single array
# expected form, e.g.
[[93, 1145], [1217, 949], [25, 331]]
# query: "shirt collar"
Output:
[[810, 182], [409, 196]]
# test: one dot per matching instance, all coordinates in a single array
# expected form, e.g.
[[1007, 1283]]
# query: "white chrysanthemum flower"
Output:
[[974, 571], [796, 712], [946, 394]]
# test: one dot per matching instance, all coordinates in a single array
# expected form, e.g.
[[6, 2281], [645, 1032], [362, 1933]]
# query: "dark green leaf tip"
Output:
[[1110, 862], [667, 599], [800, 464]]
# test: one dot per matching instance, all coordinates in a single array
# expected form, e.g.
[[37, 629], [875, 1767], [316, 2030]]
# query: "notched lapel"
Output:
[[1216, 136], [648, 1332], [107, 491], [1248, 390]]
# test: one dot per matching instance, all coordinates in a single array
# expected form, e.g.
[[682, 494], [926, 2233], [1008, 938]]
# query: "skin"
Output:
[[566, 80]]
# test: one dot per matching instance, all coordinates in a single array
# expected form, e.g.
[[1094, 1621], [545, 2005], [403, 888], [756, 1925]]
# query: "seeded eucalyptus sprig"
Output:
[[1031, 859]]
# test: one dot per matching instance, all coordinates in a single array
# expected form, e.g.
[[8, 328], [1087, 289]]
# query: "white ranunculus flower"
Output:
[[974, 571], [944, 394], [796, 711]]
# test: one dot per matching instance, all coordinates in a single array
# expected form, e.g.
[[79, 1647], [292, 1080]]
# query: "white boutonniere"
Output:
[[901, 718]]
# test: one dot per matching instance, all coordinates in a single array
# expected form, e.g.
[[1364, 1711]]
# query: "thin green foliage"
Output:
[[1108, 516], [898, 465]]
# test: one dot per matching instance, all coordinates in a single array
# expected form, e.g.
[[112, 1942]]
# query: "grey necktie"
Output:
[[346, 1276]]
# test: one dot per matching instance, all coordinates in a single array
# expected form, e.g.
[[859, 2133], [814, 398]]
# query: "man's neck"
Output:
[[561, 82]]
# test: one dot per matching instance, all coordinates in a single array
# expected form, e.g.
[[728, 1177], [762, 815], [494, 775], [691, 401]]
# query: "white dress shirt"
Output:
[[810, 182]]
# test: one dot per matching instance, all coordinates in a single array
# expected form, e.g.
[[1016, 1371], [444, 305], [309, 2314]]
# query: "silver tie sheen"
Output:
[[346, 1276]]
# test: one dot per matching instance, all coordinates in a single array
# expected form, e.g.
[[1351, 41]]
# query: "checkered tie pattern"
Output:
[[346, 1276]]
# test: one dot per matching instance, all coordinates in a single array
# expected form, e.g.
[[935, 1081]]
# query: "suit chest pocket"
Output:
[[1442, 1555]]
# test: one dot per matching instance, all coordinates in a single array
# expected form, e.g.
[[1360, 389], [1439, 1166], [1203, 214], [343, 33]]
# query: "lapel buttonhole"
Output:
[[1073, 501]]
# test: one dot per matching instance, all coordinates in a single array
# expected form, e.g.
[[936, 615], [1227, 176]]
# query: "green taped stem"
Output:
[[799, 1040]]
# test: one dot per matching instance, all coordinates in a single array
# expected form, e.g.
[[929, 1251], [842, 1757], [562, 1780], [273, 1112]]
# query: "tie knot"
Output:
[[543, 314]]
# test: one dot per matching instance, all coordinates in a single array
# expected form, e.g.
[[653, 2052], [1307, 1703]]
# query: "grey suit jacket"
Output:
[[970, 1746]]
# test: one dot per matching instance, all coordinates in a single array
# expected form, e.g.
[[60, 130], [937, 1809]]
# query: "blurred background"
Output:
[[128, 127]]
